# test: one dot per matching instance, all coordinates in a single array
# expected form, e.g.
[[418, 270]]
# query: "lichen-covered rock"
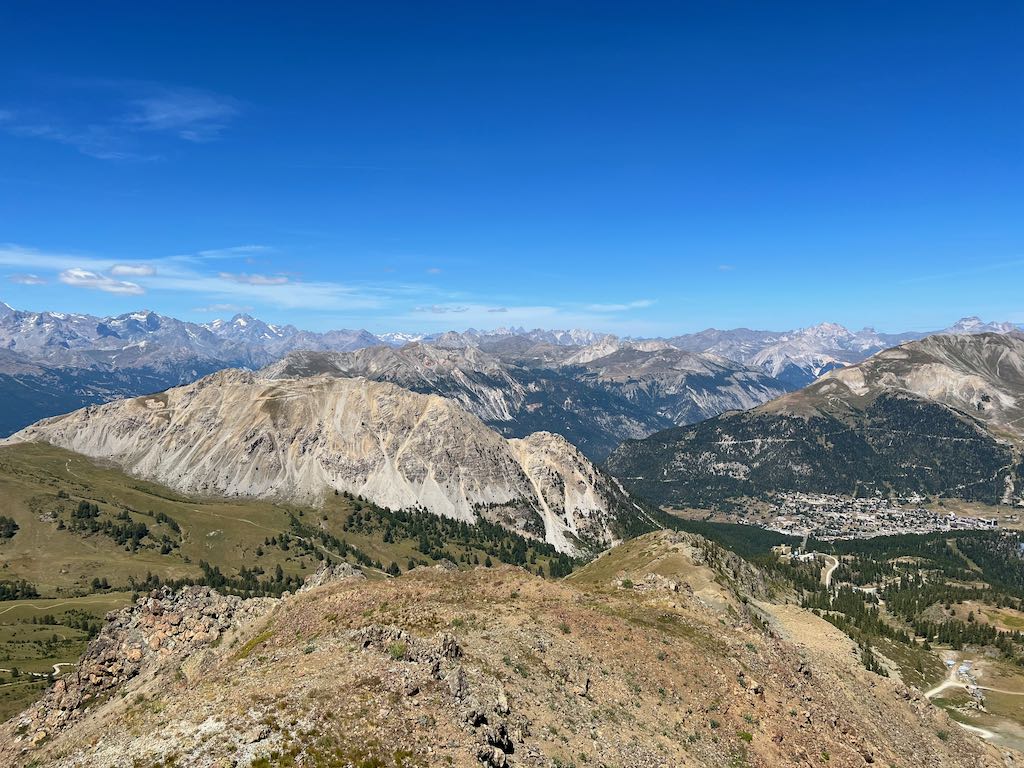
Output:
[[162, 626]]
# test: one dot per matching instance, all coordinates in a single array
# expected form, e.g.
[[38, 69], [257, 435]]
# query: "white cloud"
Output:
[[17, 256], [390, 304], [242, 277], [640, 304], [189, 113], [123, 117], [183, 274], [434, 271], [217, 308], [726, 268], [84, 278], [441, 309], [132, 270], [234, 251], [27, 279]]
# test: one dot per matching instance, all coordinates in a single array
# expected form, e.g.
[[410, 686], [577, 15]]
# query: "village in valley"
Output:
[[827, 516]]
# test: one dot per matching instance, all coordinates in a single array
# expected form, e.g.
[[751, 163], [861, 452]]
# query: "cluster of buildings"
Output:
[[824, 517]]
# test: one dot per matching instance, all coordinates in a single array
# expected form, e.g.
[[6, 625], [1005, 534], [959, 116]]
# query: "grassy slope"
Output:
[[61, 563]]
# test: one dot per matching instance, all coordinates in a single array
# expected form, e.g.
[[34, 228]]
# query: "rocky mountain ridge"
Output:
[[145, 338], [595, 396], [798, 357], [240, 433], [56, 362], [487, 667], [942, 416]]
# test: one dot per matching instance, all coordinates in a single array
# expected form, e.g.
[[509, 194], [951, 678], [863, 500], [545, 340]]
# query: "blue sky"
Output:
[[643, 168]]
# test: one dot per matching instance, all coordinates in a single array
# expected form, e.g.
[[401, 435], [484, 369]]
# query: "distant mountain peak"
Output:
[[974, 324]]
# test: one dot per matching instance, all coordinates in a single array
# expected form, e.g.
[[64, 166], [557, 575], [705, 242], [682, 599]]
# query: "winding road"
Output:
[[49, 606], [951, 681], [826, 575]]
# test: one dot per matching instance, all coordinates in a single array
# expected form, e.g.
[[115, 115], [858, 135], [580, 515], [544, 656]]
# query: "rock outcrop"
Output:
[[162, 628]]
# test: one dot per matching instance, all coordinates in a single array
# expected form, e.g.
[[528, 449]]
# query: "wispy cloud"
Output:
[[188, 113], [122, 120], [18, 256], [185, 274], [215, 289], [441, 309], [132, 270], [221, 308], [234, 251], [83, 278], [434, 271], [27, 279], [639, 304], [726, 268], [98, 141], [247, 279]]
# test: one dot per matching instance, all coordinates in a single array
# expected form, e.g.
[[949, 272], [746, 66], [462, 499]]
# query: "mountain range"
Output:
[[595, 389], [942, 416], [594, 398], [799, 357]]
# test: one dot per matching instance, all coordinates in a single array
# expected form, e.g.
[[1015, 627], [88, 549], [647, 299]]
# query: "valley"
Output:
[[826, 516], [938, 418]]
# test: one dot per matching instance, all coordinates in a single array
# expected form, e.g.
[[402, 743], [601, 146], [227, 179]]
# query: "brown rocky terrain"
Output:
[[650, 656]]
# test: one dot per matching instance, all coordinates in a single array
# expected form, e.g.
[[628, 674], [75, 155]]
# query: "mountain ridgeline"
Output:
[[55, 362], [236, 433], [594, 396], [943, 416], [594, 389]]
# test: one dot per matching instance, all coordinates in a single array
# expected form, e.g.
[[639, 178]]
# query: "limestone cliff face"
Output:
[[240, 433]]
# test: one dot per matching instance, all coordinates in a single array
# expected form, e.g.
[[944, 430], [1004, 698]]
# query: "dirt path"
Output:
[[952, 682], [949, 682], [985, 733], [826, 576], [51, 606], [239, 519]]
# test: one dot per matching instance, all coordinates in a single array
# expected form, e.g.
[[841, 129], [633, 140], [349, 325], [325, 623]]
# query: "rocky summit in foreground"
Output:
[[237, 433], [665, 651]]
